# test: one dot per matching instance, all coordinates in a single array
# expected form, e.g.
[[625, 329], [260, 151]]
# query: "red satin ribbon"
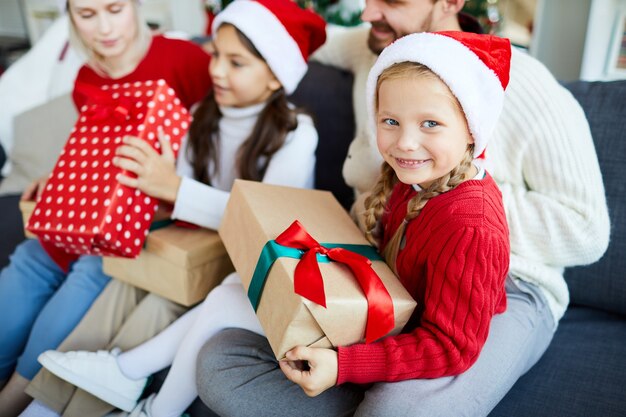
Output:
[[309, 284], [102, 106]]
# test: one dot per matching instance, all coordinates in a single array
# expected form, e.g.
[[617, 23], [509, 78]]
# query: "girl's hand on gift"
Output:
[[156, 173], [316, 375], [34, 190]]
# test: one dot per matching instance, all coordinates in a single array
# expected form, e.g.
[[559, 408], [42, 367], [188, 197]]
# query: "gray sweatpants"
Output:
[[238, 374]]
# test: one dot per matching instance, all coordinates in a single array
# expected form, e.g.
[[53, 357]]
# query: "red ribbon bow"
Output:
[[102, 106], [309, 284]]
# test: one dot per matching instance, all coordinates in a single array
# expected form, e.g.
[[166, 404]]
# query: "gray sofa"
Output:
[[583, 373]]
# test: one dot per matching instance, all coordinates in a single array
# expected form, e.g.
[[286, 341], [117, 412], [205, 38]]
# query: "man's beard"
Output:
[[376, 46]]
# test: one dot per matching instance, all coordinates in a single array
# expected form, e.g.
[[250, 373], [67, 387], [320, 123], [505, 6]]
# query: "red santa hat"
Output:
[[283, 33], [475, 68]]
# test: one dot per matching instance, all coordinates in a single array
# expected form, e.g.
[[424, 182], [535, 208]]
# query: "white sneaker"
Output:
[[97, 373]]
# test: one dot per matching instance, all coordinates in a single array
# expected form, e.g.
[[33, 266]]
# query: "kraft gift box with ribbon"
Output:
[[83, 209], [309, 272], [179, 263]]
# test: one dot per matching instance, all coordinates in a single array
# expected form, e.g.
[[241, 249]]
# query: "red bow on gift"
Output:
[[309, 284], [101, 105]]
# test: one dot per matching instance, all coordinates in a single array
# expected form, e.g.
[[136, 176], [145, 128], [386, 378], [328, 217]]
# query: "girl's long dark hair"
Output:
[[276, 120]]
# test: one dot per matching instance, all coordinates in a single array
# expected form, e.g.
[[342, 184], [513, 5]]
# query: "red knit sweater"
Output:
[[454, 264], [182, 64]]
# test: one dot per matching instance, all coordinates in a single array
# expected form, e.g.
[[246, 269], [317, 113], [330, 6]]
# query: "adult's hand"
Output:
[[34, 190]]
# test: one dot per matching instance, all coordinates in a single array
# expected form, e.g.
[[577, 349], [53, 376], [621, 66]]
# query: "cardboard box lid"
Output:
[[185, 247], [259, 212]]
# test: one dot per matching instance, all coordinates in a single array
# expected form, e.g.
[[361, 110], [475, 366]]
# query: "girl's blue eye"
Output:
[[391, 122], [430, 124]]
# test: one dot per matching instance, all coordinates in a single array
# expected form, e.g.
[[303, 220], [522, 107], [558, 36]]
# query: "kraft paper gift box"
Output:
[[178, 263], [256, 215], [83, 209], [27, 207]]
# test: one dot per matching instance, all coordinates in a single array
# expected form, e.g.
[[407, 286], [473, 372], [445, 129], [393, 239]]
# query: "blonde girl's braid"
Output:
[[376, 202], [441, 185]]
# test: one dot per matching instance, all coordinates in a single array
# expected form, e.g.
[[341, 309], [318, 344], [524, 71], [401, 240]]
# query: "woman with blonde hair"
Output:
[[40, 304]]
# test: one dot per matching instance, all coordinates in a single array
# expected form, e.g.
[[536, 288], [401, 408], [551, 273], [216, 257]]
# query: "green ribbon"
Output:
[[272, 251], [160, 224]]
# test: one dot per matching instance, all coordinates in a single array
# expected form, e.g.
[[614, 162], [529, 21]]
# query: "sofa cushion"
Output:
[[39, 136], [11, 227], [326, 93], [603, 284], [3, 158], [583, 372]]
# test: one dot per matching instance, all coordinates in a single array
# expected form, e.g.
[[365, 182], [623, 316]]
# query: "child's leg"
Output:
[[26, 284], [63, 311], [226, 306], [517, 338], [238, 372], [150, 317], [158, 352], [95, 331]]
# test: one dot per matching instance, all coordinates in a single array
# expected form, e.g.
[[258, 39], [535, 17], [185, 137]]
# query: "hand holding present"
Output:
[[320, 374], [156, 173], [34, 190], [83, 208]]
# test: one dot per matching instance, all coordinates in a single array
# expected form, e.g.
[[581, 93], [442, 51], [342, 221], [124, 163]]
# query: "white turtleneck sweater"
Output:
[[293, 165], [542, 157]]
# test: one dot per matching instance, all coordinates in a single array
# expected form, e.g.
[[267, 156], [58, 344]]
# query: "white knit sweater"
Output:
[[292, 165], [542, 156]]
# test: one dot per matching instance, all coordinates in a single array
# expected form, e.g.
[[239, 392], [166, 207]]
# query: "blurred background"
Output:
[[575, 39]]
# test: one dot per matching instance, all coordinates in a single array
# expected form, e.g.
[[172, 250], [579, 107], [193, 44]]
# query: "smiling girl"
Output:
[[435, 214]]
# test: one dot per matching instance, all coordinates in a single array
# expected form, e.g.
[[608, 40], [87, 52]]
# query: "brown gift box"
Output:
[[27, 208], [257, 213], [178, 263]]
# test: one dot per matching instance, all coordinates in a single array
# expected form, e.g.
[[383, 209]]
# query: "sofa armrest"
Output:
[[602, 285]]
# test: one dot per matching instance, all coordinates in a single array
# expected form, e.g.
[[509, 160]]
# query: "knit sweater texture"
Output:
[[541, 156], [454, 264], [183, 65]]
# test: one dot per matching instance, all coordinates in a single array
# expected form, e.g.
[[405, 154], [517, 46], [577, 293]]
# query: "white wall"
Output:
[[574, 38], [11, 23], [181, 15], [559, 36], [598, 46]]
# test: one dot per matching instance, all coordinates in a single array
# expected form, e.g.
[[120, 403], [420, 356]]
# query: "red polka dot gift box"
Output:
[[83, 209]]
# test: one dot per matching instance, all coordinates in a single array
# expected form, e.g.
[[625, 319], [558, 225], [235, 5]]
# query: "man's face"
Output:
[[392, 19]]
